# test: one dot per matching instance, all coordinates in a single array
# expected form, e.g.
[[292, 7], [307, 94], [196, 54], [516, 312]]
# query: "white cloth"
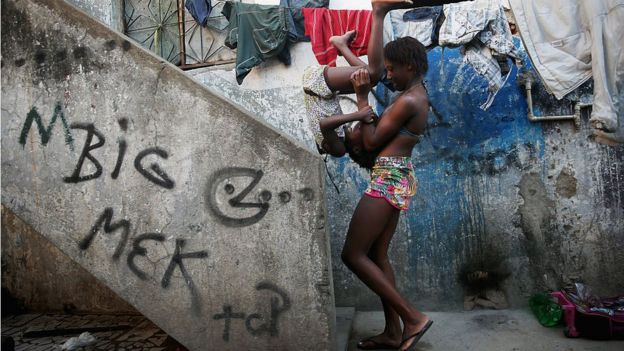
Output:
[[483, 28], [570, 41], [465, 20], [394, 26], [420, 30]]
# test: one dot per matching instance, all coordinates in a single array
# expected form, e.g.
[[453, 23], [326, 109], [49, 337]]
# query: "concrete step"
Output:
[[344, 325]]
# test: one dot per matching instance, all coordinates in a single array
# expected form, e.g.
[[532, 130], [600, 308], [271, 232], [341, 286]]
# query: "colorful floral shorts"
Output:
[[320, 101], [393, 179]]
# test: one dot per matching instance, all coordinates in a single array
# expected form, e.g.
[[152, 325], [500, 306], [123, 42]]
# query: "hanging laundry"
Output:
[[200, 10], [571, 41], [483, 28], [420, 23], [321, 24], [257, 32], [481, 59], [465, 20], [294, 18], [393, 26]]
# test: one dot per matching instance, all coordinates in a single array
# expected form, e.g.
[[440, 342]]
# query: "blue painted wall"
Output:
[[470, 211]]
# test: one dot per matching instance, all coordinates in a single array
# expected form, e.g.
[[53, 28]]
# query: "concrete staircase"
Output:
[[344, 327], [205, 219]]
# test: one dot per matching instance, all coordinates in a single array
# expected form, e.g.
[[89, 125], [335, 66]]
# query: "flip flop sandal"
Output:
[[416, 337]]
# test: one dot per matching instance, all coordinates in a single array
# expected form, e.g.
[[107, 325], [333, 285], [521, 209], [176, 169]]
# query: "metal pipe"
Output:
[[576, 117], [181, 33]]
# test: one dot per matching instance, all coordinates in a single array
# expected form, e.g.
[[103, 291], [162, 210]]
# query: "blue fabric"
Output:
[[294, 17], [387, 82], [200, 10], [423, 14]]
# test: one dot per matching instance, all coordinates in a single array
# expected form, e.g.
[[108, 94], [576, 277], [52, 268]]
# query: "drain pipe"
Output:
[[527, 79]]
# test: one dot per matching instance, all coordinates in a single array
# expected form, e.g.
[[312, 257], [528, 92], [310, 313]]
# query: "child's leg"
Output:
[[341, 43], [339, 78]]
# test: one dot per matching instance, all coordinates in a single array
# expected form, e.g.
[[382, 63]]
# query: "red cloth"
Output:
[[322, 23]]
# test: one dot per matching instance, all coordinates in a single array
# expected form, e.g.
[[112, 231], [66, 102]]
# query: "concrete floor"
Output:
[[138, 333], [484, 330]]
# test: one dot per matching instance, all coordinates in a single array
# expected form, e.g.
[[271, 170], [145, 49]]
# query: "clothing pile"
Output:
[[583, 297]]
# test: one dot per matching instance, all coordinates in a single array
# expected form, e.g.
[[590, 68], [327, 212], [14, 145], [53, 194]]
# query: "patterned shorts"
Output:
[[393, 179], [320, 101]]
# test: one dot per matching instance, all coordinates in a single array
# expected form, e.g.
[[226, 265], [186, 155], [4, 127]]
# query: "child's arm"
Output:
[[335, 121], [332, 144]]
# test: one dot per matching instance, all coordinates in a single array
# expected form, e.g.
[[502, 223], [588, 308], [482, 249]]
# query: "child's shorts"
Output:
[[320, 101], [393, 179]]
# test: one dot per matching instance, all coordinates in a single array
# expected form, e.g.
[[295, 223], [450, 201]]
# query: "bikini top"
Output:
[[404, 130]]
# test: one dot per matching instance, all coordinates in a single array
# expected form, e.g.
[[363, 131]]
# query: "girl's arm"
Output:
[[394, 117], [374, 136]]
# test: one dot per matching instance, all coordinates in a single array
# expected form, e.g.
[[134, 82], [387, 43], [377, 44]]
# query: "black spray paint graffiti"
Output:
[[106, 219], [253, 322], [236, 202], [46, 133], [158, 177], [86, 153]]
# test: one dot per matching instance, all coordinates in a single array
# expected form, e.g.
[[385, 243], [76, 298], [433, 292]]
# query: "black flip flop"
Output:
[[416, 337]]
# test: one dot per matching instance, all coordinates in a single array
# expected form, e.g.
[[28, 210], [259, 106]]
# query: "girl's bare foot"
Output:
[[342, 40], [381, 341]]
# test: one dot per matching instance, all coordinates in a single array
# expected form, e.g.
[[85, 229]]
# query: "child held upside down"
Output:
[[321, 85]]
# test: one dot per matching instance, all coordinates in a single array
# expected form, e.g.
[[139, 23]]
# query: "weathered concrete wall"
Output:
[[32, 268], [541, 201], [206, 220], [109, 12]]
